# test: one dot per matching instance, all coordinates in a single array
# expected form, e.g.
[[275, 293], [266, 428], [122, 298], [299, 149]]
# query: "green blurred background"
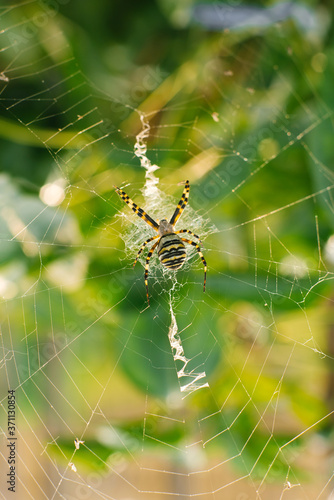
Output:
[[240, 102]]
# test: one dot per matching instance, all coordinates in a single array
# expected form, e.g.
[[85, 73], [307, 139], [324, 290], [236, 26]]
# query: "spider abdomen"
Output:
[[171, 251]]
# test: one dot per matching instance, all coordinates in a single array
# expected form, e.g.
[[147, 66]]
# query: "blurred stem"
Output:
[[21, 134], [330, 343]]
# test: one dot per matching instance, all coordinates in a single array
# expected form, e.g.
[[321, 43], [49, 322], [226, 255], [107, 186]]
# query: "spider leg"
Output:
[[189, 232], [181, 205], [137, 210], [149, 255], [143, 246], [196, 245]]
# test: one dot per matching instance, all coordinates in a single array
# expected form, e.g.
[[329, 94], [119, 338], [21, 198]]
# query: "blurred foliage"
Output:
[[261, 100]]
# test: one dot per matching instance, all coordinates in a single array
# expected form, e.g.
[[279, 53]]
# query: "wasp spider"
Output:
[[170, 247]]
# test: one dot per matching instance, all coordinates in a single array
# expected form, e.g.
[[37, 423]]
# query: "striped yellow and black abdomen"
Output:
[[171, 251]]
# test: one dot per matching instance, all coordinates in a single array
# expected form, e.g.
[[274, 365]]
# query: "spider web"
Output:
[[227, 394]]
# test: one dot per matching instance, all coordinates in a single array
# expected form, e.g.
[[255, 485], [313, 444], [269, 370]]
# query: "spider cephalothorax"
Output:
[[170, 247]]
